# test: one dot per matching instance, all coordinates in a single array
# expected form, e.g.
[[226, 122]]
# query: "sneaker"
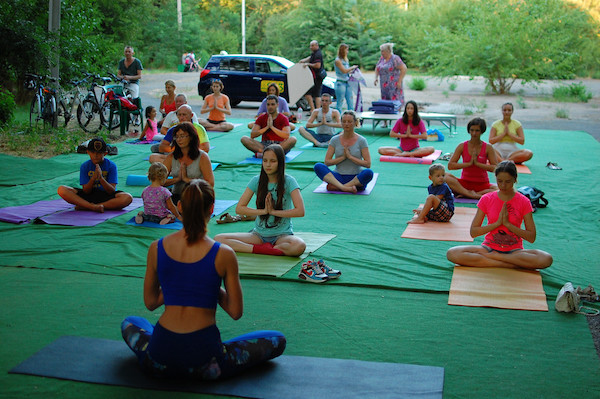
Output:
[[310, 272], [331, 273], [139, 218]]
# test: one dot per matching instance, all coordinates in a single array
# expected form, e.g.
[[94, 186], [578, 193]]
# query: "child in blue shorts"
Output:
[[439, 205], [98, 179]]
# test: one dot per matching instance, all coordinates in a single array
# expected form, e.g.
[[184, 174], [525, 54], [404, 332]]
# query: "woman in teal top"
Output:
[[342, 74], [278, 199]]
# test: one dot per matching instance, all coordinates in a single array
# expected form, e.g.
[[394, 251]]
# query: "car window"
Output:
[[267, 66], [239, 64], [223, 65]]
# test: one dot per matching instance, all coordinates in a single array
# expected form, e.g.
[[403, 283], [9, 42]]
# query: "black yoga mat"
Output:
[[103, 361]]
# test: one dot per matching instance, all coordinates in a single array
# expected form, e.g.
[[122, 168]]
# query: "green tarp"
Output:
[[390, 303]]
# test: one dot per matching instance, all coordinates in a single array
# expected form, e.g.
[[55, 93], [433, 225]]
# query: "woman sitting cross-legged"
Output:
[[409, 130], [352, 159], [184, 272], [278, 199], [505, 209]]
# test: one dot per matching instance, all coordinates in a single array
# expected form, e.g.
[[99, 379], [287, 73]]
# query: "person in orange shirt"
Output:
[[217, 104]]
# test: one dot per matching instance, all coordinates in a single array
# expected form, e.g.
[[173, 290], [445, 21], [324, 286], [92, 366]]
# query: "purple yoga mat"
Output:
[[26, 213], [322, 189], [463, 200], [87, 218]]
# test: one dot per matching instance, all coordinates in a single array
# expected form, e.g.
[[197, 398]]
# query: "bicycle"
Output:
[[90, 109], [44, 104], [121, 89]]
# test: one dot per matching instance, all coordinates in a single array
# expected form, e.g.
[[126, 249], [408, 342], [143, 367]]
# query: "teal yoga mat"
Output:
[[109, 362]]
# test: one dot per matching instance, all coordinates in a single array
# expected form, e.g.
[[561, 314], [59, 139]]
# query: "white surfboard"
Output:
[[300, 79]]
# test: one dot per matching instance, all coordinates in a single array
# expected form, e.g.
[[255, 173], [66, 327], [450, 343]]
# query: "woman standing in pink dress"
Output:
[[392, 70]]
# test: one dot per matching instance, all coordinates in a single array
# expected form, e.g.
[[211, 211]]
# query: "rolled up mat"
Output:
[[428, 160]]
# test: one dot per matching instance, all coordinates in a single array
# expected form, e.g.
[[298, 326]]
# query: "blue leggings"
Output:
[[199, 354], [364, 177]]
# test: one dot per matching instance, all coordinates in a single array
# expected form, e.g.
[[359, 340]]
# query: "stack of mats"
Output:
[[390, 304]]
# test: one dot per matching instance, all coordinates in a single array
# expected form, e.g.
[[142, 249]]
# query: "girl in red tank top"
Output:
[[479, 158]]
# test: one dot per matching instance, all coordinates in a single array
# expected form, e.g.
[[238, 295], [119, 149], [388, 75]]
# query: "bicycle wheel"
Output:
[[105, 115], [88, 116], [49, 112], [35, 111], [63, 116]]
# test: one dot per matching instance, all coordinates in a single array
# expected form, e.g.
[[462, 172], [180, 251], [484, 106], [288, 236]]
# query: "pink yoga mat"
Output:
[[26, 213], [523, 170], [322, 189], [72, 217], [428, 160]]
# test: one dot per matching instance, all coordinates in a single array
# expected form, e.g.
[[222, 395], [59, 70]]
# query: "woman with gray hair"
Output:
[[392, 70]]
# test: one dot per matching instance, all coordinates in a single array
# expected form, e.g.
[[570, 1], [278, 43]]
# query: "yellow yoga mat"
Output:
[[497, 287], [457, 229], [277, 266]]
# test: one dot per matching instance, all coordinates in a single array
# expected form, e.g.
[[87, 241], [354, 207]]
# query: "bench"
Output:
[[448, 120]]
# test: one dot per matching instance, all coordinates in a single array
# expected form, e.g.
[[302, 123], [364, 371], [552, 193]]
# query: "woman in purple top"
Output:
[[409, 129], [392, 70]]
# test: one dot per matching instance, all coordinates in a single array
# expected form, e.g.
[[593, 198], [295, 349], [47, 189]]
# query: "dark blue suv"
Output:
[[246, 77]]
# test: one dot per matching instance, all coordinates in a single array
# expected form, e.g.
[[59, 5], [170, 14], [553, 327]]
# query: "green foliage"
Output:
[[521, 102], [452, 86], [417, 84], [562, 113], [575, 92], [503, 40], [7, 106]]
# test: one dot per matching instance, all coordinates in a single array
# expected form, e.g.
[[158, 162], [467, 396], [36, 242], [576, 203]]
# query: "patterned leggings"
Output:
[[200, 354]]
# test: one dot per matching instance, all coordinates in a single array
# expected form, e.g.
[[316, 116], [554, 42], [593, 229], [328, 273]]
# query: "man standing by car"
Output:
[[326, 120], [315, 63], [273, 127]]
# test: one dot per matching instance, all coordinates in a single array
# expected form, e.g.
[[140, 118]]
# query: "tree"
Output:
[[501, 40]]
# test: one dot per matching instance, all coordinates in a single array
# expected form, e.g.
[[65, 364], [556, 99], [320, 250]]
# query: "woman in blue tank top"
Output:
[[184, 272]]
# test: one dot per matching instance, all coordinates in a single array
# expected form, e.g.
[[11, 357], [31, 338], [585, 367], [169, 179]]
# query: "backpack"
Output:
[[535, 195], [125, 103]]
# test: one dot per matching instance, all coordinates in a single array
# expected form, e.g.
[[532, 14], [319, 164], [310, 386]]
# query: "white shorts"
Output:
[[134, 89], [505, 148]]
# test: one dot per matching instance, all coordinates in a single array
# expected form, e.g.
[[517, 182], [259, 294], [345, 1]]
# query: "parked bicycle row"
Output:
[[93, 100]]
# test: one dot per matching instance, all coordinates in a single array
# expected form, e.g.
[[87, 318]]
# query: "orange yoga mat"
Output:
[[497, 287], [457, 229], [523, 170]]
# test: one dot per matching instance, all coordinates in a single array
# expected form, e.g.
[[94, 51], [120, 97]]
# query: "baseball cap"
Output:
[[97, 145]]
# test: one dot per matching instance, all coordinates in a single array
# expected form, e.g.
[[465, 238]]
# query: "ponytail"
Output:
[[197, 200]]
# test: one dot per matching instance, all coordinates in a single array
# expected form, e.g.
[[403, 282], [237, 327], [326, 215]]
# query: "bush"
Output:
[[417, 84], [575, 92], [562, 113], [7, 106]]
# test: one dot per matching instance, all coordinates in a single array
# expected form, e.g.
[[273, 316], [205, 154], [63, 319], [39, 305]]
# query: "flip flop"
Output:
[[553, 166], [446, 157], [227, 218]]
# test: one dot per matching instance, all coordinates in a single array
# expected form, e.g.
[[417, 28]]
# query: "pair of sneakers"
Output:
[[317, 272]]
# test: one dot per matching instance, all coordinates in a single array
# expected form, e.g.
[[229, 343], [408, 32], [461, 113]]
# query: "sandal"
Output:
[[446, 157], [553, 166], [227, 218]]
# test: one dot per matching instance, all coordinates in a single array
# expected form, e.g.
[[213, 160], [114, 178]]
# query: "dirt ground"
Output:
[[534, 106]]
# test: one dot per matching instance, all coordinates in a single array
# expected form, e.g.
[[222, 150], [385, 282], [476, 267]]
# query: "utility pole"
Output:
[[54, 29]]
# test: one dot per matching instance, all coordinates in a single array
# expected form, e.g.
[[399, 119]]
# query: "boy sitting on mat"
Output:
[[439, 205], [98, 179]]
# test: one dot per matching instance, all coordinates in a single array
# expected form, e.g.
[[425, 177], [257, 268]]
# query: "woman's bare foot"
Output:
[[92, 207]]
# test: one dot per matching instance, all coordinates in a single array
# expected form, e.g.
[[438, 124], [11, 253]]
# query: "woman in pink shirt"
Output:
[[506, 210], [409, 130]]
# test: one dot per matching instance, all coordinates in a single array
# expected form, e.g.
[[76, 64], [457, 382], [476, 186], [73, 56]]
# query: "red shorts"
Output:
[[474, 185]]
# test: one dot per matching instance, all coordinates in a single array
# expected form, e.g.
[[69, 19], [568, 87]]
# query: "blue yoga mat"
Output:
[[109, 362], [220, 207], [253, 160]]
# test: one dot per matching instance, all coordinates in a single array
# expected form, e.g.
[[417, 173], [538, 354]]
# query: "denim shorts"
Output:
[[269, 239], [502, 252]]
